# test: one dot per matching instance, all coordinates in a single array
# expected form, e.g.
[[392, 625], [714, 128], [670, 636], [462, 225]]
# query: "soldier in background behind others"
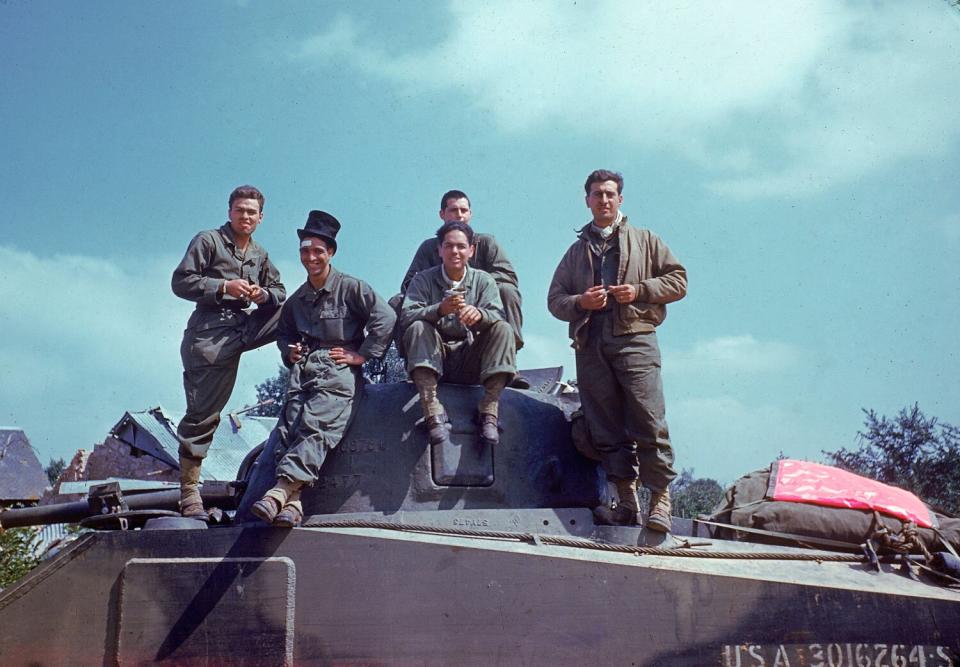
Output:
[[612, 286], [238, 294], [488, 256], [328, 328]]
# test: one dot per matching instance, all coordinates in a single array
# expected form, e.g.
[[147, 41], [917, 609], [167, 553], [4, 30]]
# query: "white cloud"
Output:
[[724, 438], [546, 352], [770, 98], [86, 339], [735, 355]]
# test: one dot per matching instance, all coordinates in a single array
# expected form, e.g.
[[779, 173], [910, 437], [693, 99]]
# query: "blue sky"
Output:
[[800, 159]]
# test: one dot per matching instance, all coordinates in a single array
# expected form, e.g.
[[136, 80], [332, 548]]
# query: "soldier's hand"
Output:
[[259, 295], [238, 288], [594, 298], [451, 304], [344, 356], [296, 353], [624, 293], [470, 315]]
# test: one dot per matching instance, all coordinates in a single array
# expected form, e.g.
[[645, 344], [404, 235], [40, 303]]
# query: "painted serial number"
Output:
[[838, 655]]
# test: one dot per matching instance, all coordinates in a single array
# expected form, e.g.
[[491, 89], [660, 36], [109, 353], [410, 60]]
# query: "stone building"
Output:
[[142, 447]]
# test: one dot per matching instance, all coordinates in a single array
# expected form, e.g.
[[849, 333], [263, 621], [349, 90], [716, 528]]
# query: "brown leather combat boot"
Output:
[[191, 504], [659, 519], [489, 429]]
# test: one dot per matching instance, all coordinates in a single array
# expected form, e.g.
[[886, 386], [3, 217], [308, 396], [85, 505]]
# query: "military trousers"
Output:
[[621, 395], [211, 357], [491, 352], [510, 296], [322, 398]]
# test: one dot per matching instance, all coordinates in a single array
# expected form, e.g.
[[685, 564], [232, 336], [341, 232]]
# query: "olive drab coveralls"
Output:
[[489, 257], [444, 344], [617, 355], [221, 327], [322, 395]]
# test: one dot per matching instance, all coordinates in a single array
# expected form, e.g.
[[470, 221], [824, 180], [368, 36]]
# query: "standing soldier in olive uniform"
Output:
[[612, 286], [488, 256], [453, 328], [328, 328], [225, 272]]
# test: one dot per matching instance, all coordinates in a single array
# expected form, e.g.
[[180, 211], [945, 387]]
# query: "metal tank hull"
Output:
[[460, 557], [362, 596]]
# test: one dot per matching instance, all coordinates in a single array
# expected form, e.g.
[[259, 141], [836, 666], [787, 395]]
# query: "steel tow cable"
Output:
[[586, 544]]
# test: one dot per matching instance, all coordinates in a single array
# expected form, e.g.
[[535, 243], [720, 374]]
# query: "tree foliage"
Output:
[[690, 497], [391, 368], [275, 388], [54, 469], [912, 451], [17, 554]]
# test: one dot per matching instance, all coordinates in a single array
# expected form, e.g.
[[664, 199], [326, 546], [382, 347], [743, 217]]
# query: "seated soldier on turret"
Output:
[[454, 329], [328, 328], [488, 256]]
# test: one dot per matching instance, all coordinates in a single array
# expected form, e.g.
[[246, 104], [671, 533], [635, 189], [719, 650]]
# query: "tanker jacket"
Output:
[[489, 257], [345, 312], [213, 258], [645, 262], [426, 291]]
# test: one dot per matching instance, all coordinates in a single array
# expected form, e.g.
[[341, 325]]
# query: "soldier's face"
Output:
[[455, 251], [604, 202], [456, 210], [245, 215], [315, 256]]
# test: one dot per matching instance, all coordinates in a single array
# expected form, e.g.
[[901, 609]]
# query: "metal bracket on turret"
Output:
[[106, 499]]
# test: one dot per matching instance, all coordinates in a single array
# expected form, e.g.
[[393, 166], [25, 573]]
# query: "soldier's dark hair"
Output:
[[452, 194], [454, 226], [602, 175], [246, 192]]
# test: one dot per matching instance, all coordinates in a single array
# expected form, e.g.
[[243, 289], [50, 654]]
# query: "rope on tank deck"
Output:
[[587, 544]]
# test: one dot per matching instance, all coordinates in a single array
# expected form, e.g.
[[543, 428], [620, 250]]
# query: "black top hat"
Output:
[[321, 225]]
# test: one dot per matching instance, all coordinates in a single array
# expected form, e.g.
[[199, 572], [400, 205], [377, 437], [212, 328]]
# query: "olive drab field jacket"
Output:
[[211, 259], [489, 257], [645, 262], [426, 291], [346, 312]]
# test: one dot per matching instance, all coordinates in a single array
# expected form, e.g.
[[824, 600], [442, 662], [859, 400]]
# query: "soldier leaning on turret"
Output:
[[453, 327], [612, 286], [238, 295], [328, 328]]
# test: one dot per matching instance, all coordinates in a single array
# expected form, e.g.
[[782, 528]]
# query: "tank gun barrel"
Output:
[[107, 499]]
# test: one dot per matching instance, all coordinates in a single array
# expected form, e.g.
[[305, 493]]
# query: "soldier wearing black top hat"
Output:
[[328, 328]]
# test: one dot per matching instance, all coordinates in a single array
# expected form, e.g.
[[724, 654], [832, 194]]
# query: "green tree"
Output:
[[691, 497], [54, 469], [272, 388], [912, 451], [391, 368], [17, 554]]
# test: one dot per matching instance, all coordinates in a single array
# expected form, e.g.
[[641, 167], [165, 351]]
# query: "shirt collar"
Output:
[[450, 281], [333, 281], [227, 232], [609, 230]]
